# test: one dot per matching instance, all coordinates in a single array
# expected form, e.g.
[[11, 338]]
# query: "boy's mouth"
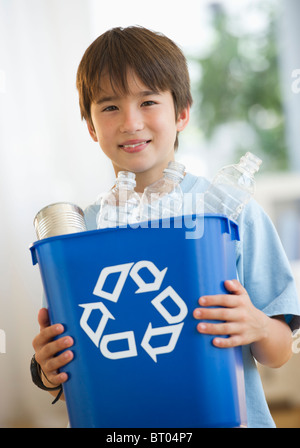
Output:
[[134, 145]]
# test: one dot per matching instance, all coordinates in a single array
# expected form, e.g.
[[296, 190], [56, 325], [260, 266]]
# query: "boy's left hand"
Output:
[[241, 321]]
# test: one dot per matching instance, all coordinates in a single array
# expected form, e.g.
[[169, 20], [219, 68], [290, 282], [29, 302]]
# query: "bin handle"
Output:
[[231, 228], [234, 231], [33, 255]]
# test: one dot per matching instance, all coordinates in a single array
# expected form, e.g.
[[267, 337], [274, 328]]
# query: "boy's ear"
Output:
[[92, 130], [183, 119]]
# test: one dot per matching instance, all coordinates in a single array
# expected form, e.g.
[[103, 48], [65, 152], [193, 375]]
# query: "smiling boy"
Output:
[[134, 88], [134, 94]]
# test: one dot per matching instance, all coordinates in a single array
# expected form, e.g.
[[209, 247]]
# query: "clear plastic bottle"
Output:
[[232, 187], [120, 206], [163, 198]]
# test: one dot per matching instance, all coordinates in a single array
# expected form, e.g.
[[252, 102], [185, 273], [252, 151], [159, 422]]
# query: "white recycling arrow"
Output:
[[88, 308], [147, 287], [170, 292], [174, 330], [131, 351], [113, 296]]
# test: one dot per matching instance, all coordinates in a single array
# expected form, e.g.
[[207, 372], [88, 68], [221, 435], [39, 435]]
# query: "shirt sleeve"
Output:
[[263, 267]]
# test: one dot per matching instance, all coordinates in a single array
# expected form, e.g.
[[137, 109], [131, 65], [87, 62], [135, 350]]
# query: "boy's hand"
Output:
[[241, 321], [46, 350]]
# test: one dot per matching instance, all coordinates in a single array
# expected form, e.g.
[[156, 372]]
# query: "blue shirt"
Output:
[[264, 271]]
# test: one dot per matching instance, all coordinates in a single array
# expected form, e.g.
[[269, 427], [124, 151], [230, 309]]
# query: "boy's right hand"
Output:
[[46, 350]]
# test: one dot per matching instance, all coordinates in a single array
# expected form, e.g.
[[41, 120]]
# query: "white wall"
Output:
[[46, 155]]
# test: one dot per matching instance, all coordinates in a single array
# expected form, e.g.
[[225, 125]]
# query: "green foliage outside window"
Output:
[[240, 83]]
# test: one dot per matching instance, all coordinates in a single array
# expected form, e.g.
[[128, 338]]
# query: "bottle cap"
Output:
[[251, 161], [175, 168], [126, 176]]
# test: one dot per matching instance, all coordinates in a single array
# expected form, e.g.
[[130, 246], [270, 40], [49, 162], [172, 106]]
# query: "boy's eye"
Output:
[[109, 108], [148, 103]]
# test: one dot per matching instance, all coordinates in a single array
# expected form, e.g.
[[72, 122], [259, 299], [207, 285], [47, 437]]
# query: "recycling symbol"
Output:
[[174, 321]]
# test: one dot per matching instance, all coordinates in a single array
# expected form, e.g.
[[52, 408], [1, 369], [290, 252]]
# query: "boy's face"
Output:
[[136, 131]]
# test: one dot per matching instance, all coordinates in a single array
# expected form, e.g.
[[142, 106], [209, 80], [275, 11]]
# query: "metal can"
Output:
[[60, 218]]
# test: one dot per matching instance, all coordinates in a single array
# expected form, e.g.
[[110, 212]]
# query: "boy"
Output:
[[134, 94]]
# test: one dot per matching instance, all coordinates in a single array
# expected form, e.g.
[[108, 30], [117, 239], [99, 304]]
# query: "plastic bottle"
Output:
[[163, 198], [232, 187], [120, 206]]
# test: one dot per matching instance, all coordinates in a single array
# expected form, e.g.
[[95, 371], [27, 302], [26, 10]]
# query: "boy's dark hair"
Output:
[[153, 57]]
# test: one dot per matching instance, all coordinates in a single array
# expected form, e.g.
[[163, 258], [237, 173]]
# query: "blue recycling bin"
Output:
[[126, 296]]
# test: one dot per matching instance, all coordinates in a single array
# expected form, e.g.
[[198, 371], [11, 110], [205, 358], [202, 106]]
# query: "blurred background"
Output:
[[244, 60]]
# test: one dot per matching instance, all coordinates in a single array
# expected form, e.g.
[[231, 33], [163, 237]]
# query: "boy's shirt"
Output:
[[264, 271]]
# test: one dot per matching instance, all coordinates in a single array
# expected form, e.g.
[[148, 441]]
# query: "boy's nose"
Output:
[[131, 122]]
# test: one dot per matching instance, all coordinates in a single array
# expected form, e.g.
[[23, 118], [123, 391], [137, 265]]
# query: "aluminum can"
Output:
[[60, 218]]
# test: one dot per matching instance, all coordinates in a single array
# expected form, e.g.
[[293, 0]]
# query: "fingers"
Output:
[[232, 341], [219, 313], [222, 315], [43, 318], [222, 329], [234, 287], [48, 348], [51, 367], [49, 355], [46, 335], [228, 300]]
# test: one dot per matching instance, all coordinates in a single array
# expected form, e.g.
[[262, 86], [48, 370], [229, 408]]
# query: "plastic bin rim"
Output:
[[125, 227], [230, 223]]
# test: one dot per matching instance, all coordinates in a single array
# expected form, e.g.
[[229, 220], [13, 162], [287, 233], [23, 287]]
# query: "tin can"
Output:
[[57, 219]]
